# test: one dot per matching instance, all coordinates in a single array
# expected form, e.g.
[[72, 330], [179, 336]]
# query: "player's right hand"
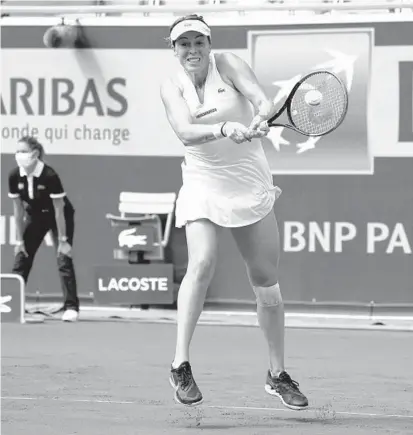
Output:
[[19, 248], [236, 131]]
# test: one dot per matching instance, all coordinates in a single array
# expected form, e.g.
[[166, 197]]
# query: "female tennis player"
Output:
[[227, 182]]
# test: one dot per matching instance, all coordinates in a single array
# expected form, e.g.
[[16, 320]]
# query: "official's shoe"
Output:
[[70, 315], [287, 390], [186, 390]]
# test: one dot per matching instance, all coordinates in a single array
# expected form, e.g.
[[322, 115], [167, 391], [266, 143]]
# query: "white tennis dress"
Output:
[[230, 184]]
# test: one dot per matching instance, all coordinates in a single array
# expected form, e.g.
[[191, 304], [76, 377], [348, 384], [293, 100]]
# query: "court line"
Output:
[[361, 414], [59, 399], [316, 315], [239, 408], [253, 313]]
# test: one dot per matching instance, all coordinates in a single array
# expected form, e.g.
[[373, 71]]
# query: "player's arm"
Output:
[[179, 117], [245, 81]]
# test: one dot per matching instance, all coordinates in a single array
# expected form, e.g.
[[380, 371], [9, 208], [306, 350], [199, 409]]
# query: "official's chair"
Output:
[[143, 211]]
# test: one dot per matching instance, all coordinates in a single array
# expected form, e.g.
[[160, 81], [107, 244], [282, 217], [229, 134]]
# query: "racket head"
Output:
[[324, 117]]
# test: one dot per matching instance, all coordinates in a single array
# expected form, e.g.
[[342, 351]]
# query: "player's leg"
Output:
[[259, 245], [202, 241]]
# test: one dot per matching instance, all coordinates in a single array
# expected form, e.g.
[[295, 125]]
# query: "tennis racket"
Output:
[[316, 106]]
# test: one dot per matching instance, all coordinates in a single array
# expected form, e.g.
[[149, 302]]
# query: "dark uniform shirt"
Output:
[[38, 189]]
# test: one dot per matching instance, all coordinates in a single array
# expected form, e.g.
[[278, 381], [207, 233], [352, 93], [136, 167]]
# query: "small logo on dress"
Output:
[[220, 90]]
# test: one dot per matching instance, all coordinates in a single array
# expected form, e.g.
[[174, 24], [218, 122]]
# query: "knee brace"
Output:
[[268, 296]]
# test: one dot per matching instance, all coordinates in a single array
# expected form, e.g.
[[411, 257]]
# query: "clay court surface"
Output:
[[111, 377]]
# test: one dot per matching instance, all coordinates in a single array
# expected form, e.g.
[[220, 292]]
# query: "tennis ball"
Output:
[[313, 98]]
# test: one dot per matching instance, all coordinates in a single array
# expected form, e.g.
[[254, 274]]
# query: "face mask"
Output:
[[25, 159]]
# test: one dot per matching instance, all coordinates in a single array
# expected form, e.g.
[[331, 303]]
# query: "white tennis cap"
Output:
[[189, 26]]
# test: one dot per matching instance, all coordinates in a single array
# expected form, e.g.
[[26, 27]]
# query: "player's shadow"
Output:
[[322, 417], [285, 423]]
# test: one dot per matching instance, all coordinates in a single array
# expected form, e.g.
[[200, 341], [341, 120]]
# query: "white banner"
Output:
[[104, 102], [107, 102]]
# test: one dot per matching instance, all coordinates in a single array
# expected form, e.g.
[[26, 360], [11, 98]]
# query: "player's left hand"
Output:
[[64, 248], [260, 131]]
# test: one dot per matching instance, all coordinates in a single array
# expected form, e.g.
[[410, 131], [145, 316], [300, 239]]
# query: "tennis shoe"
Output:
[[287, 390], [186, 390]]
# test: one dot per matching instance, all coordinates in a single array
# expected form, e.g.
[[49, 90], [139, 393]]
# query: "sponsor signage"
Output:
[[97, 102], [337, 237], [134, 284], [135, 238], [87, 103]]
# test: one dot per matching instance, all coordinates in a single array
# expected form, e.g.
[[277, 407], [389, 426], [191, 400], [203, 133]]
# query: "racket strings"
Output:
[[319, 118]]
